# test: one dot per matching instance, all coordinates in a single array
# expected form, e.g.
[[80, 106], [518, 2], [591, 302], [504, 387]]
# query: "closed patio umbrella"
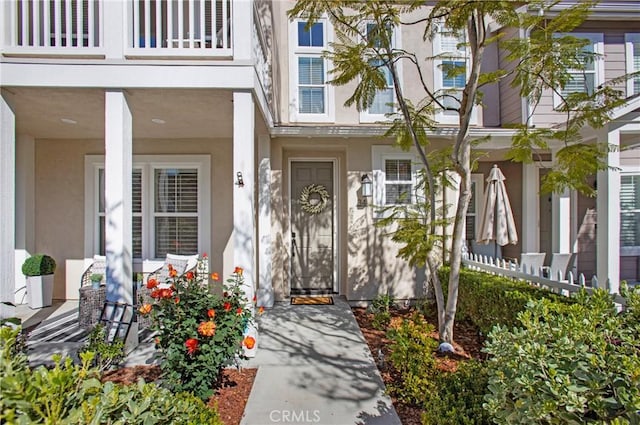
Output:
[[497, 224]]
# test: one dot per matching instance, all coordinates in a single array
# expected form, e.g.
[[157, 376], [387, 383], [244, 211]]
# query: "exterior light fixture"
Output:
[[366, 191], [239, 180], [366, 186]]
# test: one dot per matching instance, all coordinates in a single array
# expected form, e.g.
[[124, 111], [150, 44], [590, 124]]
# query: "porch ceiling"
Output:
[[186, 113]]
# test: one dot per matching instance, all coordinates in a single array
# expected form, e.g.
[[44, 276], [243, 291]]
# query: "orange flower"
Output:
[[145, 309], [204, 255], [207, 329], [255, 299], [238, 271], [261, 310], [227, 306], [173, 272], [192, 345], [215, 276], [152, 283], [156, 293], [239, 310], [211, 313], [166, 293], [189, 275], [177, 300], [249, 342]]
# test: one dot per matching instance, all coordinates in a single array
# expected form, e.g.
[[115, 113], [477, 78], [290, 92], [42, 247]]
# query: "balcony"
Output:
[[152, 28]]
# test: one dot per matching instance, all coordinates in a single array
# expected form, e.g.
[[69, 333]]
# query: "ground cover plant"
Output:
[[71, 393], [198, 332]]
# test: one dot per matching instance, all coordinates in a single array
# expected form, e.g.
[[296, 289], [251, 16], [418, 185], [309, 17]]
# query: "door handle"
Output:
[[293, 244]]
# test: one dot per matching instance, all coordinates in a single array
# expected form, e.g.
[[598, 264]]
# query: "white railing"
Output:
[[180, 27], [54, 25], [565, 285], [262, 49]]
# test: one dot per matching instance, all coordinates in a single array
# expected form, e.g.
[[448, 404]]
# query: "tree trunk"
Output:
[[433, 264]]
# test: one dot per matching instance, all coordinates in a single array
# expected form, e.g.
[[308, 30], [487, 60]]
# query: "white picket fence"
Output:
[[561, 285]]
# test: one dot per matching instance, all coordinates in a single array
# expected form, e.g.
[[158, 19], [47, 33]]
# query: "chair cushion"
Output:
[[182, 263]]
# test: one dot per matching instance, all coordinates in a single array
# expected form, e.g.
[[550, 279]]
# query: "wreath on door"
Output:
[[314, 199]]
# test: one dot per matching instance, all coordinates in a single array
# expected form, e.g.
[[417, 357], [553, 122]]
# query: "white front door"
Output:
[[312, 227]]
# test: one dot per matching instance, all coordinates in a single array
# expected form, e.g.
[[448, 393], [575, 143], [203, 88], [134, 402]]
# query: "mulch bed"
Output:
[[468, 344], [230, 398]]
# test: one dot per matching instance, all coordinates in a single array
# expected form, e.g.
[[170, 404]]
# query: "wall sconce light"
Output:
[[239, 180], [366, 191], [367, 186]]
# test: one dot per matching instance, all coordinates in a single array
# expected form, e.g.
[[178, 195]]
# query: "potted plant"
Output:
[[39, 269], [96, 280]]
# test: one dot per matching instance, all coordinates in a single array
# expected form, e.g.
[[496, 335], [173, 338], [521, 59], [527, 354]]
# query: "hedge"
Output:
[[487, 300]]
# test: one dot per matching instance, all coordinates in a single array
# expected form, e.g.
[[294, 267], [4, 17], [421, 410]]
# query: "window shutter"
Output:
[[630, 210]]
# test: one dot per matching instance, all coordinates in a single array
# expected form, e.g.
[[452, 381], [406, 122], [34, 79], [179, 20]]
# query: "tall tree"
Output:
[[542, 61]]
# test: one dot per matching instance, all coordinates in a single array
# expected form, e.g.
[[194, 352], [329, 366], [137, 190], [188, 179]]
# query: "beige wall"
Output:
[[59, 205], [366, 257]]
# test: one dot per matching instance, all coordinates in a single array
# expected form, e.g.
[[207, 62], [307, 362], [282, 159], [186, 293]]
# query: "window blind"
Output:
[[398, 181]]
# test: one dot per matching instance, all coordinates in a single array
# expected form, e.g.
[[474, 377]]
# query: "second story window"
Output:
[[310, 94], [632, 47], [450, 71], [383, 102], [590, 75]]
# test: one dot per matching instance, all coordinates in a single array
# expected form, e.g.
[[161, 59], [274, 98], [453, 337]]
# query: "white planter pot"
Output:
[[39, 291]]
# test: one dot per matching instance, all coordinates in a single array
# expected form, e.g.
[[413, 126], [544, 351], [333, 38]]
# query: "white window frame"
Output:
[[629, 250], [379, 155], [296, 52], [629, 39], [148, 163], [478, 200], [597, 40], [368, 117], [461, 54]]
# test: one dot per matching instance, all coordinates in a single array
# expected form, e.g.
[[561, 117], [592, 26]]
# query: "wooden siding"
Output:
[[510, 101]]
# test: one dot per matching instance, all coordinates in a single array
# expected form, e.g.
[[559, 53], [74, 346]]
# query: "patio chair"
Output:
[[532, 262], [180, 263], [561, 264], [91, 301]]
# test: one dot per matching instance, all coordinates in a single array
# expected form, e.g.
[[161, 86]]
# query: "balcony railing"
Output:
[[153, 27]]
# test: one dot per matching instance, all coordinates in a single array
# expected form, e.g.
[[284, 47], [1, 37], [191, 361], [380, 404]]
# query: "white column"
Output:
[[114, 29], [608, 227], [118, 164], [530, 208], [242, 30], [561, 222], [266, 295], [7, 206], [244, 206], [25, 209]]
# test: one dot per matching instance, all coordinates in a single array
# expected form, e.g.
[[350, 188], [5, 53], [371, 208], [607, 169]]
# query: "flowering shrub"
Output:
[[198, 332]]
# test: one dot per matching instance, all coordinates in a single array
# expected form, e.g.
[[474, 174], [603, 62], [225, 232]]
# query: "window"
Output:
[[630, 210], [310, 94], [475, 206], [450, 72], [169, 205], [398, 183], [588, 79], [394, 176], [383, 102], [632, 43]]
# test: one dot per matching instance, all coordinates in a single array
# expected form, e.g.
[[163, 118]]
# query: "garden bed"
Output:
[[230, 399], [468, 344]]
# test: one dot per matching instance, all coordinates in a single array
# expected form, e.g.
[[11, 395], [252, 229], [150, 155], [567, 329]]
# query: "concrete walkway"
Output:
[[314, 367]]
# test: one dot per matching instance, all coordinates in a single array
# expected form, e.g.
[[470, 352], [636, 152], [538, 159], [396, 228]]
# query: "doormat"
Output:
[[311, 300]]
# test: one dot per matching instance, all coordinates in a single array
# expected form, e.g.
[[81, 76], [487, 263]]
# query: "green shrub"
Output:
[[381, 309], [457, 397], [567, 364], [38, 265], [487, 300], [106, 354], [72, 394], [412, 350], [199, 333]]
